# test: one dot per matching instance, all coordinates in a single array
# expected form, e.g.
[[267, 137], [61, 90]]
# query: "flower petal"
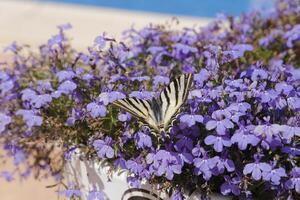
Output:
[[211, 124]]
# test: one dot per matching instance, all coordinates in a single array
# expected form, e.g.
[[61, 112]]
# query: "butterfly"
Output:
[[159, 114]]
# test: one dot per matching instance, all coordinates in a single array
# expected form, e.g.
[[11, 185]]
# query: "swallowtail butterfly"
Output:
[[158, 114]]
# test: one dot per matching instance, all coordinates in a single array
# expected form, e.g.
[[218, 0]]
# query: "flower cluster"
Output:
[[238, 132]]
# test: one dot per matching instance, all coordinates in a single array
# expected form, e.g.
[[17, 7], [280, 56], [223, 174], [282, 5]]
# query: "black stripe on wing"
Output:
[[173, 119], [187, 84], [178, 88], [150, 129], [134, 106]]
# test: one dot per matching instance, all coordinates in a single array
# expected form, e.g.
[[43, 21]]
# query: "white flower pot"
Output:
[[88, 175]]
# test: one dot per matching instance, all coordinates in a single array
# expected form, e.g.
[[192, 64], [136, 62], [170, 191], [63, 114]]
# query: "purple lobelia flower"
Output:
[[138, 168], [63, 27], [220, 121], [238, 110], [292, 150], [77, 114], [44, 86], [294, 180], [197, 151], [19, 157], [243, 137], [134, 166], [28, 94], [288, 132], [96, 195], [268, 131], [294, 103], [88, 77], [134, 181], [198, 94], [184, 143], [103, 148], [183, 49], [30, 118], [70, 192], [235, 84], [15, 152], [202, 76], [186, 157], [274, 175], [256, 169], [204, 166], [216, 93], [39, 101], [109, 97], [176, 195], [164, 162], [96, 110], [294, 121], [120, 163], [259, 74], [56, 94], [67, 87], [284, 88], [218, 141], [116, 78], [292, 36], [221, 164], [56, 40], [158, 53], [13, 47], [140, 78], [100, 42], [238, 50], [8, 176], [123, 117], [26, 174], [231, 186], [188, 68], [268, 96], [265, 41], [65, 75], [160, 80], [6, 86], [79, 71], [142, 140], [190, 120], [4, 121], [4, 76], [69, 153], [142, 94], [211, 55]]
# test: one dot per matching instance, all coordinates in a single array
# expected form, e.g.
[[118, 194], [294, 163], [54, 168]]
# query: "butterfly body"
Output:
[[158, 114]]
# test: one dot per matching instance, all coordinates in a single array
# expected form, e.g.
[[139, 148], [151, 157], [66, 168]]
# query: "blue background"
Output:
[[200, 8]]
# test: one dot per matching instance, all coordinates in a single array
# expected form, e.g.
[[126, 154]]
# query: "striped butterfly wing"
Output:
[[159, 114], [141, 109], [173, 97]]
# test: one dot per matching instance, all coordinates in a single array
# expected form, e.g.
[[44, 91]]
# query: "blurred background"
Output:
[[34, 21]]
